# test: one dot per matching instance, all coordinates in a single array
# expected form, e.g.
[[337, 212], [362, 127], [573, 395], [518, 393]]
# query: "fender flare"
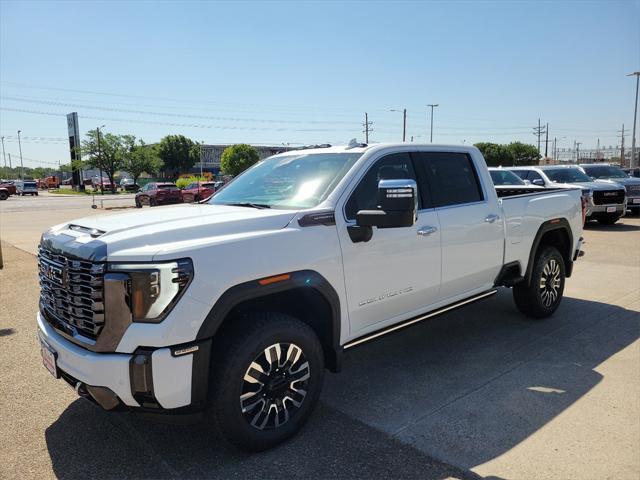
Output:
[[549, 226], [253, 289]]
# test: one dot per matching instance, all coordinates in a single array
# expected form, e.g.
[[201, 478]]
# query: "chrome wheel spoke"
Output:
[[274, 386]]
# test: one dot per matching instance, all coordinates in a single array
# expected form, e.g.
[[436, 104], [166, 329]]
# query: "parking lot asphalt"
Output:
[[478, 392]]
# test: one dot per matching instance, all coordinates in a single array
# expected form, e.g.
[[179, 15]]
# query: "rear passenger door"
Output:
[[472, 234]]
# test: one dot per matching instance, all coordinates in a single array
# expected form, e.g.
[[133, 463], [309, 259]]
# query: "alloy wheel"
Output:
[[274, 386], [550, 282]]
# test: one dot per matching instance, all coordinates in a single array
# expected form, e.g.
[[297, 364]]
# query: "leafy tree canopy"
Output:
[[178, 153], [107, 154], [237, 158], [140, 158], [515, 153]]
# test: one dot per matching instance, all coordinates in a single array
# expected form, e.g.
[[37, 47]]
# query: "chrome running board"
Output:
[[420, 318]]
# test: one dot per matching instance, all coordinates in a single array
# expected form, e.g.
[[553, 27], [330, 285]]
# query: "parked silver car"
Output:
[[606, 173], [606, 202]]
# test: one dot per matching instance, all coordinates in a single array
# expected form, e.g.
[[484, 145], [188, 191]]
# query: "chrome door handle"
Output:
[[492, 218], [426, 231]]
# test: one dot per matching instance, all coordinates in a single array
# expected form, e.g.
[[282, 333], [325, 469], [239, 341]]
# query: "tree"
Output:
[[523, 154], [495, 154], [178, 153], [237, 158], [107, 155], [140, 158], [516, 153]]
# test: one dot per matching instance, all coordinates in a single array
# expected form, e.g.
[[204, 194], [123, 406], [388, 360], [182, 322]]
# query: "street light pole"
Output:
[[635, 115], [21, 165], [432, 105]]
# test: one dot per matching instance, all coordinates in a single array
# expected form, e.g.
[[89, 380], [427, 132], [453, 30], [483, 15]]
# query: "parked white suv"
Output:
[[236, 306]]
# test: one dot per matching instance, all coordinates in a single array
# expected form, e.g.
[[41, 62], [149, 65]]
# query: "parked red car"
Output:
[[154, 194], [9, 186], [199, 191]]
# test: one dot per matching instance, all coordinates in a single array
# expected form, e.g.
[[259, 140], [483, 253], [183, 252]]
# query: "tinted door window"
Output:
[[533, 175], [451, 177], [365, 196]]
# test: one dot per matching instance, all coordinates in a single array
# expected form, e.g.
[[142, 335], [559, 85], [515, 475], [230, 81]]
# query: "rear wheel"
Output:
[[4, 195], [267, 379], [542, 296]]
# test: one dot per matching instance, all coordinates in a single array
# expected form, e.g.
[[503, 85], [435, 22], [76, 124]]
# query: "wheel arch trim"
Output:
[[253, 289], [556, 224]]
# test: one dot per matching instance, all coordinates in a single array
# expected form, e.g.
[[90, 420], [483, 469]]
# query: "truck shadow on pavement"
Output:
[[464, 388]]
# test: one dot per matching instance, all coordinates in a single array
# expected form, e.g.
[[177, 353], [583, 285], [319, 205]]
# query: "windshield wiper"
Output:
[[249, 204]]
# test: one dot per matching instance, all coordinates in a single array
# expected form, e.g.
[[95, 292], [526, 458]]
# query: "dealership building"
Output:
[[210, 156]]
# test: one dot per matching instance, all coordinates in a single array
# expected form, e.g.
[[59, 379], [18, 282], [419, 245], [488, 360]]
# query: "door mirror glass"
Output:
[[397, 205]]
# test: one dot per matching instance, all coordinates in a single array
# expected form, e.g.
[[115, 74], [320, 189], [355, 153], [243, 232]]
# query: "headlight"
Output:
[[153, 288], [587, 193]]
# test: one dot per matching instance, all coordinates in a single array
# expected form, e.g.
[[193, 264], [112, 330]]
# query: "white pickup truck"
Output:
[[233, 308]]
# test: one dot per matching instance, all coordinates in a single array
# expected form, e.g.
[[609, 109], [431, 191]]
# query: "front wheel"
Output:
[[267, 380], [542, 296]]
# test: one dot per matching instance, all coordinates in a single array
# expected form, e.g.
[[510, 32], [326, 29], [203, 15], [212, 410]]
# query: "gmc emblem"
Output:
[[610, 194]]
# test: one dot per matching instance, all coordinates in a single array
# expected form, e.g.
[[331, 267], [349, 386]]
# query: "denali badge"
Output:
[[385, 296]]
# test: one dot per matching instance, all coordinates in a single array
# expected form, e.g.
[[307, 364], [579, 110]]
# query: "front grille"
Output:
[[633, 190], [71, 293], [607, 197]]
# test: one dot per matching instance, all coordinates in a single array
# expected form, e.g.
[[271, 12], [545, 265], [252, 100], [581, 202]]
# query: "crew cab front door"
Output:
[[396, 274]]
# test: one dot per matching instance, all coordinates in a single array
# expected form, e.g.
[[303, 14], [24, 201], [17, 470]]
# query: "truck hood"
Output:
[[142, 234], [606, 185], [620, 181]]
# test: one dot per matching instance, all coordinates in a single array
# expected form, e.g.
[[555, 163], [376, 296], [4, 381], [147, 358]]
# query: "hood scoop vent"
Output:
[[94, 232]]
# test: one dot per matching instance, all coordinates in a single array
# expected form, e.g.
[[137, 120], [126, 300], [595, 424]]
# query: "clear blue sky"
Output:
[[299, 72]]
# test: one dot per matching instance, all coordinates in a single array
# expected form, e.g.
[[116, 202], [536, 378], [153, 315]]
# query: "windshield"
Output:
[[30, 184], [288, 181], [505, 177], [566, 175], [604, 171]]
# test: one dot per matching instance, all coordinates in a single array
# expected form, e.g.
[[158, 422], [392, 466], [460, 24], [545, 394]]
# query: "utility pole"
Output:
[[578, 151], [404, 125], [10, 167], [546, 140], [635, 116], [432, 107], [555, 151], [99, 159], [3, 155], [537, 131], [21, 165], [367, 127], [622, 159]]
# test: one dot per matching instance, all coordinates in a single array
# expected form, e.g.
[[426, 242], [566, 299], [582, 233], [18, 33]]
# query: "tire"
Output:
[[153, 202], [543, 295], [249, 343], [36, 194], [138, 204], [609, 220], [4, 195]]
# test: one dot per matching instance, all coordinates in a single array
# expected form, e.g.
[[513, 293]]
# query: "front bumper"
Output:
[[602, 210], [162, 380]]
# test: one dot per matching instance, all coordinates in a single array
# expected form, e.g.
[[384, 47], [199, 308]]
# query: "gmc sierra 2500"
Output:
[[235, 307]]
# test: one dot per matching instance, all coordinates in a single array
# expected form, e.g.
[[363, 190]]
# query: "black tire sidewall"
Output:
[[225, 400], [528, 298]]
